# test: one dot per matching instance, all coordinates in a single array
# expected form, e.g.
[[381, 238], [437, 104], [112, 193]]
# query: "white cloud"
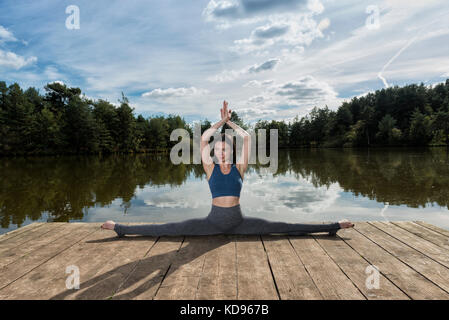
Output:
[[6, 35], [315, 6], [285, 100], [283, 31], [51, 72], [216, 10], [306, 89], [286, 22], [174, 93], [267, 65], [229, 75], [352, 59], [224, 11], [251, 114], [257, 83], [11, 60], [324, 24]]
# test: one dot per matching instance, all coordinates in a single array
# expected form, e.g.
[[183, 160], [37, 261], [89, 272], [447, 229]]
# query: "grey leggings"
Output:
[[224, 220]]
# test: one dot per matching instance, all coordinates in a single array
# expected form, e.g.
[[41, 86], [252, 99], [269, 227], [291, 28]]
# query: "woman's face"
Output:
[[222, 151]]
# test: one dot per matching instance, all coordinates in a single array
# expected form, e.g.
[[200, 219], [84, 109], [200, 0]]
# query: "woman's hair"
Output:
[[228, 139]]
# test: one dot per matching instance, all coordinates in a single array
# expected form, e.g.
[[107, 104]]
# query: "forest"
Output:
[[63, 121]]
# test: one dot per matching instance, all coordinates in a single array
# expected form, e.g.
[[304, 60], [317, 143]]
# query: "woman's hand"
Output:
[[225, 113]]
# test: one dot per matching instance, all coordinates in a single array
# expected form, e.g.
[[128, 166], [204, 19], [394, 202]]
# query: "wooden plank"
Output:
[[292, 279], [105, 265], [18, 231], [444, 232], [18, 269], [28, 236], [104, 262], [182, 279], [425, 233], [433, 272], [331, 281], [355, 267], [13, 254], [425, 247], [413, 260], [407, 279], [254, 279], [219, 276], [144, 281]]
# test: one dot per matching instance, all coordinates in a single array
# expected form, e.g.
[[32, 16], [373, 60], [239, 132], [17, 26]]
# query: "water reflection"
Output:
[[310, 185]]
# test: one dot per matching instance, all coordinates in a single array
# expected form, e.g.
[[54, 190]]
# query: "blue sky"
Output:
[[269, 59]]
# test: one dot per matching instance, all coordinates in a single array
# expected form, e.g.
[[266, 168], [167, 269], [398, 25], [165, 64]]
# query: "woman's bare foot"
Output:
[[345, 224], [109, 225]]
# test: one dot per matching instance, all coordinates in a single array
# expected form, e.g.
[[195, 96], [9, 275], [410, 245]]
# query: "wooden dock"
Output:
[[412, 259]]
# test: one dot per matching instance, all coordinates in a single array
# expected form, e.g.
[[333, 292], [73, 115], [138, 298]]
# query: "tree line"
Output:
[[62, 121], [413, 115]]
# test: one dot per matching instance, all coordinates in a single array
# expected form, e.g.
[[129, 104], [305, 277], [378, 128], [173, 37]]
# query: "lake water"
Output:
[[309, 185]]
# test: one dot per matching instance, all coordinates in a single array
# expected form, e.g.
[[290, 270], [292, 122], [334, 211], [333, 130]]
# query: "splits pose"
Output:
[[225, 183]]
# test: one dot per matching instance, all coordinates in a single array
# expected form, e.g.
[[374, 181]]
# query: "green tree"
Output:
[[108, 124], [127, 139], [388, 131], [420, 128], [80, 127], [441, 122], [158, 133], [46, 131]]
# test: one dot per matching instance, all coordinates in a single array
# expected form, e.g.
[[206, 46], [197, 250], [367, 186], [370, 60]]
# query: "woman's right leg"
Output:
[[195, 226], [219, 221]]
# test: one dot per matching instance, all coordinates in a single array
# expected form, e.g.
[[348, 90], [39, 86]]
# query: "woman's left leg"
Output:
[[252, 225]]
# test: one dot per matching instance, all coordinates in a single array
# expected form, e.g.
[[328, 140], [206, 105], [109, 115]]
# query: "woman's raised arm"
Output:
[[242, 162], [204, 146]]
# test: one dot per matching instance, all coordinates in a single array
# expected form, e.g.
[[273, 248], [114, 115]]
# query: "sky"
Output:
[[268, 59]]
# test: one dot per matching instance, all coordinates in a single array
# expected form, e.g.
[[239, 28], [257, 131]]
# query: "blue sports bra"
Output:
[[225, 184]]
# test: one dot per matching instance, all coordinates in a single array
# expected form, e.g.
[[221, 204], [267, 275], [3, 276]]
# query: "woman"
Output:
[[225, 180]]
